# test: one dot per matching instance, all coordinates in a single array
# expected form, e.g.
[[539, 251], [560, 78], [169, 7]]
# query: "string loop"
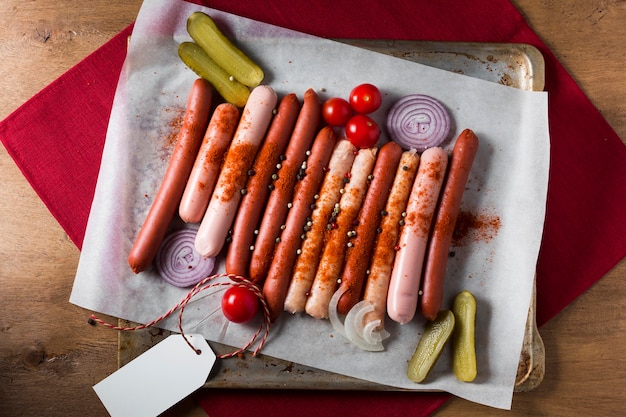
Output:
[[235, 280]]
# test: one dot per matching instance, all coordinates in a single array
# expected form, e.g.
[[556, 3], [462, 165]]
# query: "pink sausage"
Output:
[[222, 208], [377, 284], [463, 154], [207, 166], [407, 268]]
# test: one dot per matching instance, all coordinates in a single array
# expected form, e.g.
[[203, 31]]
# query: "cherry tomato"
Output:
[[239, 304], [362, 131], [365, 98], [336, 111]]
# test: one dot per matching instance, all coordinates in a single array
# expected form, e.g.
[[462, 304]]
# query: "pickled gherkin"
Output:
[[220, 49], [431, 344], [199, 62], [464, 349]]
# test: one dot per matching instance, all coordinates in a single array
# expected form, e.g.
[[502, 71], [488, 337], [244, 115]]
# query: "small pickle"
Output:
[[430, 346], [463, 342], [199, 62], [205, 33]]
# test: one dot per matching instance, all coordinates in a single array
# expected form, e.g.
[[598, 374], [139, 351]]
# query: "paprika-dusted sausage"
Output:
[[336, 240], [257, 190], [276, 208], [168, 196], [208, 163], [359, 254], [329, 195], [377, 284], [461, 162], [217, 220], [283, 259], [407, 268]]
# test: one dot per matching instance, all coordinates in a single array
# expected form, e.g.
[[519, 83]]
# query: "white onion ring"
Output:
[[178, 262], [333, 314], [354, 329], [365, 337], [418, 121], [371, 335]]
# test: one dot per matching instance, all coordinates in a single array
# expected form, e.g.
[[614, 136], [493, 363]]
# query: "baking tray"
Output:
[[514, 65]]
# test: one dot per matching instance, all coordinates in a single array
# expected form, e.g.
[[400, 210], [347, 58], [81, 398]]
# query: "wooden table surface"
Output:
[[49, 359]]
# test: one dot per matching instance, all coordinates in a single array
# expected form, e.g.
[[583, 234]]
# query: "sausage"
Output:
[[407, 268], [306, 264], [336, 241], [255, 119], [461, 162], [207, 165], [253, 201], [358, 255], [279, 274], [377, 283], [276, 209], [168, 196]]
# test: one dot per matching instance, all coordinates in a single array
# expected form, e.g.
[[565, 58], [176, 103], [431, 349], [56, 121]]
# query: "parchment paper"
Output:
[[509, 179]]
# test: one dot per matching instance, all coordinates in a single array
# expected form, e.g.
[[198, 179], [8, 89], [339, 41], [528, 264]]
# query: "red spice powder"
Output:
[[269, 152], [215, 156], [173, 127], [242, 156], [475, 227]]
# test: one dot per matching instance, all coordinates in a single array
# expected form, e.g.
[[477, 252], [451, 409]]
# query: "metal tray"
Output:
[[515, 65]]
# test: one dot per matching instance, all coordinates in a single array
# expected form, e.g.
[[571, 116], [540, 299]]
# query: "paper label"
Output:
[[157, 379]]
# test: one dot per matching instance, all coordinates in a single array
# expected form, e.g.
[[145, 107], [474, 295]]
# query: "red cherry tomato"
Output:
[[365, 98], [239, 304], [336, 111], [362, 131]]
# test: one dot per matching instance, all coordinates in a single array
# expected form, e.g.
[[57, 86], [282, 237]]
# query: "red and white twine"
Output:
[[235, 280]]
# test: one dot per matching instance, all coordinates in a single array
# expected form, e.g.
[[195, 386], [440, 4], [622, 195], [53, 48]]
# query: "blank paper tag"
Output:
[[157, 379]]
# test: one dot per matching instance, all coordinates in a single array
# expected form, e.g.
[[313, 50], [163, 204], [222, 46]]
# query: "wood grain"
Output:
[[50, 358]]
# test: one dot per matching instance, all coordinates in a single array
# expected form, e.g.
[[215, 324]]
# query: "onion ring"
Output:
[[333, 314], [365, 336], [418, 121], [178, 262], [354, 327]]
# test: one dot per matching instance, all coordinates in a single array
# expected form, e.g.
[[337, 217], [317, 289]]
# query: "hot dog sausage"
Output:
[[377, 284], [255, 119], [279, 274], [407, 268], [461, 162], [276, 208], [207, 166], [168, 196], [331, 262], [253, 201], [359, 254], [306, 264]]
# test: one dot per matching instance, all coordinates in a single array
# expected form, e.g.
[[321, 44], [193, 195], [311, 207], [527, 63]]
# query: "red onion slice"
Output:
[[179, 263], [418, 121]]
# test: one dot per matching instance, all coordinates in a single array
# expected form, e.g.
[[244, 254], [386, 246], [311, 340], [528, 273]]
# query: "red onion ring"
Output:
[[179, 263], [418, 121]]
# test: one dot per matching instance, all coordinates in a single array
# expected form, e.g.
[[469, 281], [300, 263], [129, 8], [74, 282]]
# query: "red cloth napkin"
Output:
[[56, 139]]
